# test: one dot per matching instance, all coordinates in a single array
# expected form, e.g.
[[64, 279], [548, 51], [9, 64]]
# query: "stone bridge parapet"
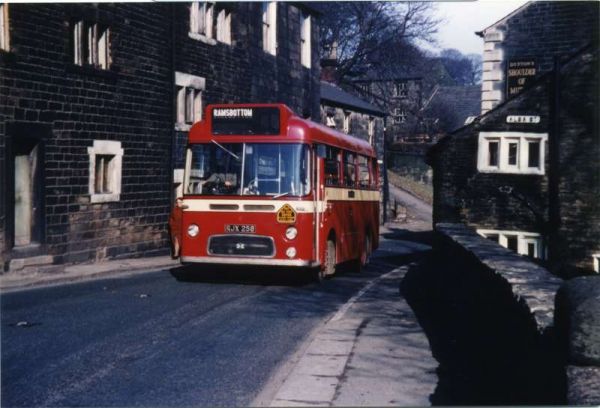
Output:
[[530, 283]]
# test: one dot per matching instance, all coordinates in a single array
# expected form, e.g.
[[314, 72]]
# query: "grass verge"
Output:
[[420, 190]]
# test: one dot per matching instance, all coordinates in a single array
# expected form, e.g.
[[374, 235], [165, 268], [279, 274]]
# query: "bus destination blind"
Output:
[[245, 121]]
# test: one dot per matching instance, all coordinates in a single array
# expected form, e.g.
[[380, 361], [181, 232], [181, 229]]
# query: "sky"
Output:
[[464, 18]]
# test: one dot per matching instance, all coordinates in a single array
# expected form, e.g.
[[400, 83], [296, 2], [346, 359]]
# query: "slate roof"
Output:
[[455, 103], [336, 96]]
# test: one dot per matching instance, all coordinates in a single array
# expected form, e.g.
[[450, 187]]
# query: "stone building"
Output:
[[95, 101], [522, 45], [400, 97], [348, 113], [526, 173]]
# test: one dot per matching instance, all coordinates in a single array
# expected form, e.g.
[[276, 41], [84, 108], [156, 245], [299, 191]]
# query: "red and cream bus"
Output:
[[263, 186]]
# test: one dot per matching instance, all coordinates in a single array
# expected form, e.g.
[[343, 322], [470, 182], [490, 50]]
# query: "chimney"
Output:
[[329, 65]]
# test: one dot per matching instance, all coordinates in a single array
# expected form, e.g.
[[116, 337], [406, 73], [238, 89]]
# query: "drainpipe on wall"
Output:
[[386, 191], [173, 107]]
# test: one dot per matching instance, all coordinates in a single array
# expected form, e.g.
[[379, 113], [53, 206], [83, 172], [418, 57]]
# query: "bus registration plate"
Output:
[[240, 228]]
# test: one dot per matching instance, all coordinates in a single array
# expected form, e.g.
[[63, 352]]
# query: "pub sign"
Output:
[[519, 74]]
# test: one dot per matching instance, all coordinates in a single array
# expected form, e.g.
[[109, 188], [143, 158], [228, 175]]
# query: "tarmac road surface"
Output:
[[156, 340]]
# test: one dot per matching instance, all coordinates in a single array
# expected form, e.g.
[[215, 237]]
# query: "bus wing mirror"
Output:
[[321, 151]]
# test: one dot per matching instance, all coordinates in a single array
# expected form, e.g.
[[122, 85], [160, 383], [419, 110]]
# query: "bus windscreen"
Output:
[[245, 121]]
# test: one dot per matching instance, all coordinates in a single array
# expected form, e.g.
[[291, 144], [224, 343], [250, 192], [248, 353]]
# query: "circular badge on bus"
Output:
[[286, 214]]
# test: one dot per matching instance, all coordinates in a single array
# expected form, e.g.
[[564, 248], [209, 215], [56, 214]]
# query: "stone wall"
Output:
[[524, 336], [242, 72], [66, 107], [577, 320], [488, 315]]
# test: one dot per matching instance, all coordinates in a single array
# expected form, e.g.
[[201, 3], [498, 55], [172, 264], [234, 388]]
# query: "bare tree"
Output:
[[373, 36]]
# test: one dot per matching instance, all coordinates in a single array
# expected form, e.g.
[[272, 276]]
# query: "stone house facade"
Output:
[[522, 45], [347, 113], [526, 174], [95, 101]]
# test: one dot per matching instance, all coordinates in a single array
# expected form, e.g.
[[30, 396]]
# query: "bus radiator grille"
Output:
[[241, 245]]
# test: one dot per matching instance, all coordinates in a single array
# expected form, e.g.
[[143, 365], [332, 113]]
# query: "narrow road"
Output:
[[157, 340], [416, 208]]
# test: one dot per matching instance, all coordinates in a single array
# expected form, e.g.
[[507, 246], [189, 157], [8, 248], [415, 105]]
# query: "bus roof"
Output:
[[292, 129]]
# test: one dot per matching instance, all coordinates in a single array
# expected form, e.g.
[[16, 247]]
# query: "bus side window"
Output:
[[332, 166], [363, 172], [349, 169]]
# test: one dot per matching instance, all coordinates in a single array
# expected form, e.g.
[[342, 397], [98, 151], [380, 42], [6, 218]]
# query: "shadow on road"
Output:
[[396, 233], [244, 274]]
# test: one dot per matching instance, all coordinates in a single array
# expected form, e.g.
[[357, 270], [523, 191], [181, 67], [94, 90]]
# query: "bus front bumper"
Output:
[[248, 261]]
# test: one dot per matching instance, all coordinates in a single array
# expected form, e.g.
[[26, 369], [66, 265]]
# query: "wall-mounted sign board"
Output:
[[518, 74], [523, 119]]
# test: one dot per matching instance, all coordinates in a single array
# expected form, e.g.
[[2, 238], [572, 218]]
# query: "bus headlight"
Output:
[[193, 230], [291, 233], [291, 252]]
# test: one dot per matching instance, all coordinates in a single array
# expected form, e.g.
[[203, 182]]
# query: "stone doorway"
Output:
[[27, 192]]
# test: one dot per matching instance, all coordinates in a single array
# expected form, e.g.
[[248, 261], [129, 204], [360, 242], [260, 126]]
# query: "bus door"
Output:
[[351, 217], [318, 193]]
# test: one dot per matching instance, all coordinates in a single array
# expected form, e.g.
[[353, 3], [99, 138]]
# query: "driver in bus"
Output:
[[223, 181], [229, 179]]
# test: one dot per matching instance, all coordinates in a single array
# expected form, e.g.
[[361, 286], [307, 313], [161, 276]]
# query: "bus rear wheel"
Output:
[[365, 255]]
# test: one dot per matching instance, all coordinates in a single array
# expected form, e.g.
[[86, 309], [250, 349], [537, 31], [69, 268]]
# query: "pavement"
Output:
[[30, 278], [370, 353]]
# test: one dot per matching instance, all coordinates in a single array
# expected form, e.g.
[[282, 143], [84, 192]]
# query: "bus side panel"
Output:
[[351, 220]]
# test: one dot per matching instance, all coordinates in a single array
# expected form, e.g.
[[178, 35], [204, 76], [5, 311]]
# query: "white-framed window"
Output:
[[305, 40], [330, 120], [224, 26], [596, 258], [524, 243], [371, 130], [202, 21], [401, 89], [511, 152], [347, 119], [269, 27], [399, 115], [91, 44], [106, 162], [4, 31], [189, 90]]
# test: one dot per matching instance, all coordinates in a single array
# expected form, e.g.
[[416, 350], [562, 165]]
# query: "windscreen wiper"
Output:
[[227, 150], [281, 195]]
